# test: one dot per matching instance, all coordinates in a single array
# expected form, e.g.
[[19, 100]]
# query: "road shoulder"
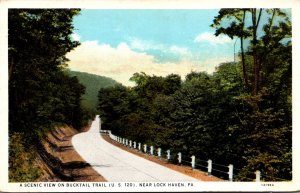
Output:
[[182, 169]]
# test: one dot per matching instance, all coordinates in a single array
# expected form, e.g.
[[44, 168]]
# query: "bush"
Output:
[[22, 163]]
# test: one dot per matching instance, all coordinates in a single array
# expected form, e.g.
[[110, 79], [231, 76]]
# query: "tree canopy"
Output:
[[41, 94]]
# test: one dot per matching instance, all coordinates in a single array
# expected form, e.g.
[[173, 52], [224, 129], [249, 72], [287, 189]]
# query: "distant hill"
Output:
[[93, 83]]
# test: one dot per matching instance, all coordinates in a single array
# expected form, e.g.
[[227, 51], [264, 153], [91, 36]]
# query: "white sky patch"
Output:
[[212, 39], [145, 45], [179, 50], [122, 62], [75, 37]]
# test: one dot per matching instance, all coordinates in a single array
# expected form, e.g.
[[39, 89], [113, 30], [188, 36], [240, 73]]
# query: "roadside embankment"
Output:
[[60, 162]]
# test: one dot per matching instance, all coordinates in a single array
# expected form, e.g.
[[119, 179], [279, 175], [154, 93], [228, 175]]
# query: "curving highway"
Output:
[[117, 165]]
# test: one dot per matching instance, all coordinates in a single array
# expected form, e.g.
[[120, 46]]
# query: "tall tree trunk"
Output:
[[243, 53], [255, 23]]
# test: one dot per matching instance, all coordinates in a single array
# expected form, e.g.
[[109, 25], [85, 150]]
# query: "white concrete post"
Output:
[[230, 172], [179, 157], [123, 141], [151, 150], [134, 145], [209, 167], [130, 143], [193, 161], [145, 148], [126, 142], [257, 174], [140, 146], [168, 154], [159, 152]]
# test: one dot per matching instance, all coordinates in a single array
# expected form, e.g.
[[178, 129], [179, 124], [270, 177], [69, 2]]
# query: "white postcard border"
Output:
[[150, 4]]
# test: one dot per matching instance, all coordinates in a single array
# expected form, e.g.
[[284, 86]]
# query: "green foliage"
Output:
[[113, 104], [264, 132], [22, 165], [273, 32], [41, 95]]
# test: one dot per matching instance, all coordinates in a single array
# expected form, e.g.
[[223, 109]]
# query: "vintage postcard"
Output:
[[149, 96]]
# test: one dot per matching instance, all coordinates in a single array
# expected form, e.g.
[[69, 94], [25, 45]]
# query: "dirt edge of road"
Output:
[[182, 169], [60, 162]]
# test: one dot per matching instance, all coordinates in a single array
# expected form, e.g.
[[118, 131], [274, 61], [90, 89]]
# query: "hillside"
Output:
[[93, 83]]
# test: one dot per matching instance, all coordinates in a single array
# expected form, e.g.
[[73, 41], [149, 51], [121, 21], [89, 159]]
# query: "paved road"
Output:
[[117, 165]]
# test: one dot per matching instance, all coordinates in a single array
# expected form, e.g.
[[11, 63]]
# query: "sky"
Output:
[[118, 43]]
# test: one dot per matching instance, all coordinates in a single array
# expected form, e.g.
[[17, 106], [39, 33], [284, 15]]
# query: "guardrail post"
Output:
[[159, 152], [257, 175], [145, 148], [179, 157], [230, 172], [134, 145], [130, 143], [193, 161], [140, 146], [151, 150], [168, 154], [123, 141], [209, 167], [126, 142]]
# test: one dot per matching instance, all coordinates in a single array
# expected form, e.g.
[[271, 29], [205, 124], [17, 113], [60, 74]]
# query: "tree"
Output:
[[38, 41], [253, 30], [236, 28], [41, 96], [113, 104]]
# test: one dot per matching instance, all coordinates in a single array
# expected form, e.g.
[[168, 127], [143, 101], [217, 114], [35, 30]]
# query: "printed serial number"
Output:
[[267, 184]]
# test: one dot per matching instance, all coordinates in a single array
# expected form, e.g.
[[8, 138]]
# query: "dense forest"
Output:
[[93, 83], [240, 114], [41, 94]]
